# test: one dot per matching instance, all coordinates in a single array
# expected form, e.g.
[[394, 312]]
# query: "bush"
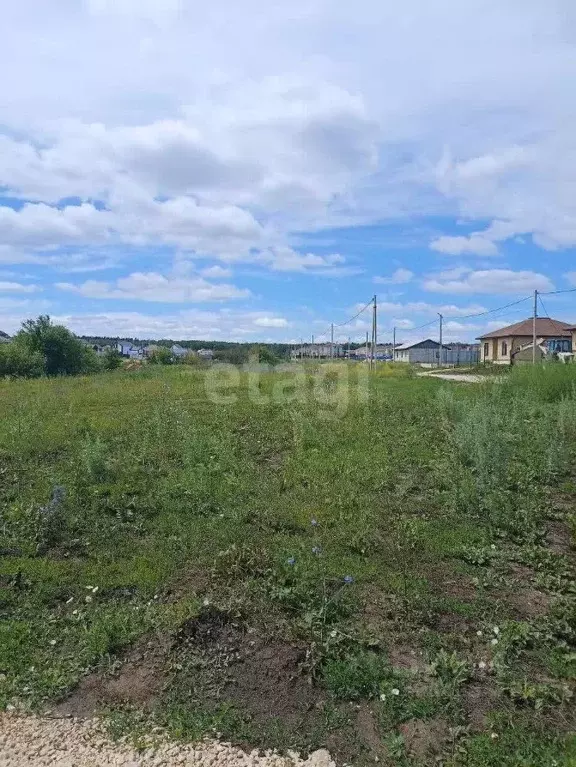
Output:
[[62, 352], [161, 356], [18, 362], [112, 359]]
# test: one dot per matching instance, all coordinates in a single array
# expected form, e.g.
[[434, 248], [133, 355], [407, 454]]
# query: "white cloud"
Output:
[[216, 272], [421, 307], [457, 246], [494, 281], [400, 277], [271, 322], [151, 286], [17, 287]]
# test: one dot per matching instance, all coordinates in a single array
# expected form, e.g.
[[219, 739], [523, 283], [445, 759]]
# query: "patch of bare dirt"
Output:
[[407, 658], [369, 732], [480, 699], [425, 738], [528, 602], [229, 663], [559, 538], [138, 681]]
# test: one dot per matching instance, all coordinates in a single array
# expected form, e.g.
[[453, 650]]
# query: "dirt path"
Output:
[[464, 377], [38, 742]]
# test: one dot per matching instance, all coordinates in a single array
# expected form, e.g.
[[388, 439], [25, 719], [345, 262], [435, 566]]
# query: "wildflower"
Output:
[[291, 561], [494, 641], [348, 579], [395, 691], [206, 602], [496, 630], [88, 599], [482, 665], [493, 735], [382, 696], [95, 589], [316, 550], [478, 633], [52, 642], [333, 633], [314, 522]]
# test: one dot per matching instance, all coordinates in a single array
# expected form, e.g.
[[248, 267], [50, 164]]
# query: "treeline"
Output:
[[224, 351], [41, 348]]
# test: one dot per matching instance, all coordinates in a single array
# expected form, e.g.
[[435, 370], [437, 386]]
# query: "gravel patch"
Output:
[[36, 742]]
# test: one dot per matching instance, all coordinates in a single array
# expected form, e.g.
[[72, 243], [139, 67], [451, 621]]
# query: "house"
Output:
[[128, 349], [178, 351], [423, 352], [428, 352], [205, 354], [513, 343], [4, 337]]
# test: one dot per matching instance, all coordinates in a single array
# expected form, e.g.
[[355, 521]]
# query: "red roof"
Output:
[[545, 328]]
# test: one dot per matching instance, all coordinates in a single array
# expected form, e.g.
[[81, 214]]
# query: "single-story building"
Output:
[[178, 351], [513, 343], [205, 354], [428, 352]]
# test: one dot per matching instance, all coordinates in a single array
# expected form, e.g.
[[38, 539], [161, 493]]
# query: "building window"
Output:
[[486, 350], [504, 349]]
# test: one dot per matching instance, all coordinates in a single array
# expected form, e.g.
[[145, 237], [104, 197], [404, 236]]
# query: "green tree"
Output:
[[161, 356], [63, 352], [18, 362], [112, 359]]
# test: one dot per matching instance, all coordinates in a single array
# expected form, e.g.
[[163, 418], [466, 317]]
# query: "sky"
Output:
[[255, 171]]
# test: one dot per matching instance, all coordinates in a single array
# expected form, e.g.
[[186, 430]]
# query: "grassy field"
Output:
[[385, 568]]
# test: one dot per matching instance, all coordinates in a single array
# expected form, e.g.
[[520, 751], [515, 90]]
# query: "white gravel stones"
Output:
[[39, 742]]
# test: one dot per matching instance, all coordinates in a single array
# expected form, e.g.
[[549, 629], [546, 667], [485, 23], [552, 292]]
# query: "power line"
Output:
[[556, 292]]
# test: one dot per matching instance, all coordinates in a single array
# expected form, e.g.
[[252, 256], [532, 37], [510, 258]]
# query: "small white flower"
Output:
[[52, 642], [493, 547], [95, 589], [478, 633], [494, 641], [10, 707], [333, 633], [482, 664], [74, 612], [382, 696], [206, 602], [395, 691], [88, 599], [496, 630], [493, 735]]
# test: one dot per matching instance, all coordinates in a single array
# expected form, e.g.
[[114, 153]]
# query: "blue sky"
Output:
[[255, 171]]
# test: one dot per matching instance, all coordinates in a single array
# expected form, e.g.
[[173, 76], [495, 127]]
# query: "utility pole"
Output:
[[534, 327], [374, 330], [394, 345], [440, 355], [332, 341]]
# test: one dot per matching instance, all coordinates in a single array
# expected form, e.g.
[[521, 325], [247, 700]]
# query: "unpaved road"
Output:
[[464, 377], [39, 742]]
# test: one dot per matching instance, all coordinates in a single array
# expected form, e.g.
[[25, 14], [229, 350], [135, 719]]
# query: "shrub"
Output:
[[161, 356], [19, 362], [112, 359], [62, 351]]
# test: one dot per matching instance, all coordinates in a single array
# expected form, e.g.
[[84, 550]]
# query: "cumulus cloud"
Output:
[[151, 286], [476, 245], [216, 272], [399, 277], [271, 322], [17, 287], [491, 281]]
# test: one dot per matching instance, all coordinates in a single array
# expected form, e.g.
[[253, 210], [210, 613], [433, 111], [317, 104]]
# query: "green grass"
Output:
[[427, 495]]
